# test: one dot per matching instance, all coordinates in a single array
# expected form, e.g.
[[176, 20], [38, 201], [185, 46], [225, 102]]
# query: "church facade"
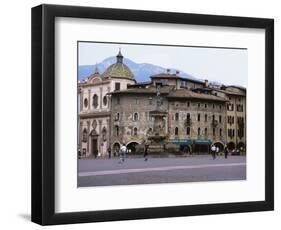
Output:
[[192, 115]]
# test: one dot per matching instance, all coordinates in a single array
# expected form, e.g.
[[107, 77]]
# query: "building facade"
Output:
[[170, 109]]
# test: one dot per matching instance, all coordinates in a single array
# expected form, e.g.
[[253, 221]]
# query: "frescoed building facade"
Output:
[[116, 110]]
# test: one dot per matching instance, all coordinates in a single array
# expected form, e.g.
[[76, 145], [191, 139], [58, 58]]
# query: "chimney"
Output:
[[206, 83]]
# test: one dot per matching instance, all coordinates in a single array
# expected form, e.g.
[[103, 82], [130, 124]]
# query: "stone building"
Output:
[[186, 117], [169, 110], [236, 116], [95, 106]]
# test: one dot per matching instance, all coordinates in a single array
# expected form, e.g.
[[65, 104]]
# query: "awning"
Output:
[[181, 142], [202, 142]]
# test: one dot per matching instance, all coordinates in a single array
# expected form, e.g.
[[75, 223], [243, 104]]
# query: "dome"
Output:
[[118, 70]]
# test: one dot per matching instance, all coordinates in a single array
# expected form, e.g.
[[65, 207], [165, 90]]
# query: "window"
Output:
[[188, 131], [206, 117], [104, 134], [136, 116], [198, 105], [176, 131], [95, 101], [150, 101], [85, 134], [177, 116], [188, 116], [117, 117], [135, 133], [188, 104], [214, 132], [213, 118], [213, 106], [205, 106], [198, 131], [117, 85], [220, 132], [137, 101], [220, 119], [198, 117], [105, 100], [85, 102], [206, 131]]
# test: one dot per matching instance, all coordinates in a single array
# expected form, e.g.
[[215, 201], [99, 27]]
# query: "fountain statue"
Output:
[[158, 137]]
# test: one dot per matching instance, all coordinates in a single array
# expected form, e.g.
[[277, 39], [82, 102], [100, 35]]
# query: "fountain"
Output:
[[157, 138]]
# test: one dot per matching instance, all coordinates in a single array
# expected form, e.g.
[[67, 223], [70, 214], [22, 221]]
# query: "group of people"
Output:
[[215, 151], [123, 151]]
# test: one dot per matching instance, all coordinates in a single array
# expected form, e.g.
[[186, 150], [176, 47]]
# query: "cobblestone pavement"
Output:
[[105, 172]]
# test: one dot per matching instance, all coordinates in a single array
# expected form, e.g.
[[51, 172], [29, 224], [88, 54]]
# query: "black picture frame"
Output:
[[43, 114]]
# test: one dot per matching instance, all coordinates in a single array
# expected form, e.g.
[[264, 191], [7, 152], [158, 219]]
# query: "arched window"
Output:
[[135, 133], [198, 117], [206, 131], [117, 117], [136, 116], [85, 102], [188, 131], [199, 131], [105, 100], [104, 134], [177, 116], [220, 118], [176, 131], [95, 101], [85, 134], [188, 116]]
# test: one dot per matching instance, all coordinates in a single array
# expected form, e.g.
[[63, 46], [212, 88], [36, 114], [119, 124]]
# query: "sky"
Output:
[[228, 66]]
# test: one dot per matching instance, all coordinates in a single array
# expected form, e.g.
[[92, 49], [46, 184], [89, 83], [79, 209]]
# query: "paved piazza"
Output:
[[105, 172]]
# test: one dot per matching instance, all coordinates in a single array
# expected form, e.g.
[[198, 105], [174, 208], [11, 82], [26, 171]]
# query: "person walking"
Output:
[[225, 152], [213, 151], [123, 151], [217, 151], [145, 155], [109, 152]]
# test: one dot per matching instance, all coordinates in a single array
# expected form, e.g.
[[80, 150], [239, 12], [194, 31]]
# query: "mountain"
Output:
[[142, 71]]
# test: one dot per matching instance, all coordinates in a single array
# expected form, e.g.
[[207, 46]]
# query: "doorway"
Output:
[[94, 147]]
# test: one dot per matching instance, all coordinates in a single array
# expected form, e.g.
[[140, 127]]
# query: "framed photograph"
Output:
[[142, 114]]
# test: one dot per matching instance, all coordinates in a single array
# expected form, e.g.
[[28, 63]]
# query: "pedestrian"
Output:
[[109, 152], [213, 151], [145, 155], [217, 151], [225, 152], [123, 151]]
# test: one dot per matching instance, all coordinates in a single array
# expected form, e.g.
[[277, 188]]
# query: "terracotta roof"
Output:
[[149, 90], [229, 92], [174, 76], [184, 93]]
